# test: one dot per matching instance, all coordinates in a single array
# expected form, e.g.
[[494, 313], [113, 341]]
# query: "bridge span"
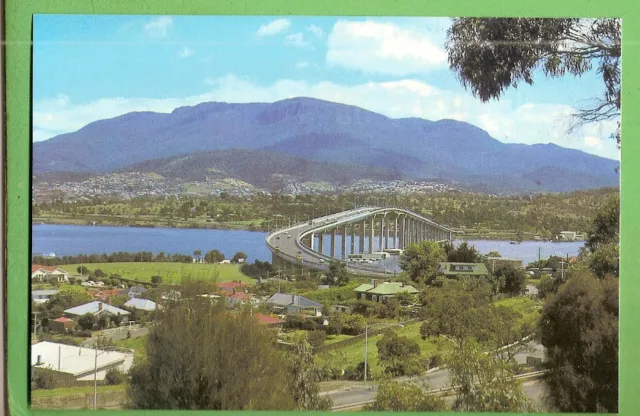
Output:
[[368, 231]]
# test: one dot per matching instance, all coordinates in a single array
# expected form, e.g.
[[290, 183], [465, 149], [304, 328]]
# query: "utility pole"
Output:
[[35, 324], [366, 351], [539, 255]]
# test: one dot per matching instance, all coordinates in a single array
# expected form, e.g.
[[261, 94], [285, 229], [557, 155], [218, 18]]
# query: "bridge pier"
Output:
[[321, 242], [353, 238], [343, 252], [372, 233], [333, 243], [363, 228], [312, 244]]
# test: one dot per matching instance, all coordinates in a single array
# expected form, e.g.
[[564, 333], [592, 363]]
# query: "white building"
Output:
[[568, 235], [78, 363]]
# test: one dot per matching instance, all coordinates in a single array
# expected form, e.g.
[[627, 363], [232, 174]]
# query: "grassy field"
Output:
[[170, 272], [139, 345], [72, 391], [351, 355]]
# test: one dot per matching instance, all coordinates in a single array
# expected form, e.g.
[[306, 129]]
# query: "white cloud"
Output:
[[317, 31], [159, 27], [273, 28], [295, 39], [302, 64], [526, 123], [185, 52], [384, 48]]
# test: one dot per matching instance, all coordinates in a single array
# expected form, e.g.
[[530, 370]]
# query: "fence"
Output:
[[116, 399]]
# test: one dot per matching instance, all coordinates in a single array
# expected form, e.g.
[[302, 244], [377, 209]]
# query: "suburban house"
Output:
[[568, 235], [496, 262], [378, 292], [61, 324], [47, 272], [105, 295], [96, 308], [70, 362], [284, 303], [141, 304], [267, 320], [463, 269], [133, 291], [42, 296]]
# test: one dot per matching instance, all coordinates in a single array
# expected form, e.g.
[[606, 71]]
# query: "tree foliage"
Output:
[[304, 376], [201, 356], [399, 354], [463, 253], [513, 279], [484, 383], [213, 256], [239, 256], [405, 397], [490, 55], [337, 273], [579, 329], [420, 261]]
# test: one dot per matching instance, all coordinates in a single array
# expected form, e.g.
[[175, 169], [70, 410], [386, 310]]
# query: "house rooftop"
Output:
[[142, 304], [268, 320], [94, 308], [386, 288], [73, 359], [285, 299], [477, 269], [46, 292]]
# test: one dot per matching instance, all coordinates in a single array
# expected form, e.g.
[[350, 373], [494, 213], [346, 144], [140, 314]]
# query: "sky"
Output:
[[93, 67]]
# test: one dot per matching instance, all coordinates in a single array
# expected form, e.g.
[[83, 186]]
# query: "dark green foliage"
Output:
[[399, 354], [548, 285], [463, 253], [337, 273], [82, 270], [342, 323], [214, 256], [87, 321], [42, 379], [257, 269], [238, 257], [303, 379], [420, 261], [579, 329], [114, 376], [103, 321], [357, 373], [514, 279], [156, 279], [97, 273], [490, 55], [393, 396]]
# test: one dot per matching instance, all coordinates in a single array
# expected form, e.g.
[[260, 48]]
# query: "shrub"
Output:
[[43, 379], [357, 373], [156, 279], [114, 376], [316, 338]]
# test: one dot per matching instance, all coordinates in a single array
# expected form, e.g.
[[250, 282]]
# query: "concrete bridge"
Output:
[[361, 237]]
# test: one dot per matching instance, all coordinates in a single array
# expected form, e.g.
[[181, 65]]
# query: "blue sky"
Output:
[[94, 67]]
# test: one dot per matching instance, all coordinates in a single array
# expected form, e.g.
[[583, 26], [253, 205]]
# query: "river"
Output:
[[71, 240]]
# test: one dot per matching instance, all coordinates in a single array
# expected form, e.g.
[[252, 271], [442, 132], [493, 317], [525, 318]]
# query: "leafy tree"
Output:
[[343, 323], [239, 255], [605, 261], [316, 338], [458, 310], [99, 273], [463, 253], [514, 279], [490, 55], [82, 270], [114, 376], [337, 273], [87, 321], [304, 376], [69, 297], [405, 397], [213, 256], [494, 254], [399, 354], [484, 383], [548, 285], [579, 329], [197, 253], [420, 261], [605, 228], [156, 279], [240, 369]]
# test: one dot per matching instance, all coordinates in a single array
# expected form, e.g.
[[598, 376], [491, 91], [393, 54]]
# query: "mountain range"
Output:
[[302, 137]]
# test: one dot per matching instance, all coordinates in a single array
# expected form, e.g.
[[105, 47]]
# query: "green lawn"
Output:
[[351, 355], [72, 391], [139, 345], [170, 272]]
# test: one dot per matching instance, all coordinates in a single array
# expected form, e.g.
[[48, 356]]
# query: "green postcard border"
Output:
[[18, 54]]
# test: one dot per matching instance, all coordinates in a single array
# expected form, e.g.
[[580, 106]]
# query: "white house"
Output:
[[568, 235], [47, 272]]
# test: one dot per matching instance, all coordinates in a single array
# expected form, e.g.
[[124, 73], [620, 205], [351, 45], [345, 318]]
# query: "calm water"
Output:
[[76, 239]]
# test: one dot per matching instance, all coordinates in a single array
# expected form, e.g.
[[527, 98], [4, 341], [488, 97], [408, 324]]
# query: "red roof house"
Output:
[[269, 320]]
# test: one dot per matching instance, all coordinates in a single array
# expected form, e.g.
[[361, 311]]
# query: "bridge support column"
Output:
[[333, 242], [386, 243], [382, 229], [363, 228], [400, 233], [343, 252], [353, 238], [312, 245], [372, 234], [395, 231], [321, 242]]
